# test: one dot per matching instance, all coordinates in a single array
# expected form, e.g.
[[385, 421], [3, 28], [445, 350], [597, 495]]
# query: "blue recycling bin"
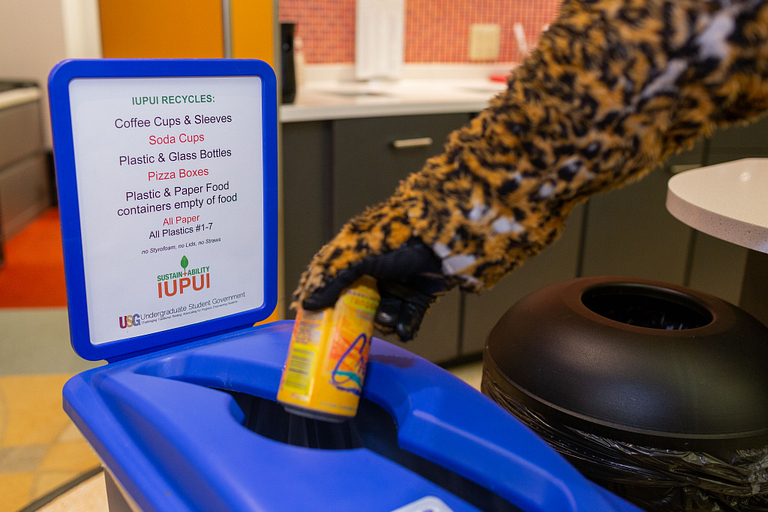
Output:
[[167, 180], [197, 428]]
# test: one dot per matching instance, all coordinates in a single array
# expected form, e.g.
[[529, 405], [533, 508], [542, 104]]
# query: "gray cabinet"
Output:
[[333, 170], [24, 193], [737, 142], [367, 166], [629, 232], [307, 201], [717, 266], [20, 132], [558, 262], [24, 177]]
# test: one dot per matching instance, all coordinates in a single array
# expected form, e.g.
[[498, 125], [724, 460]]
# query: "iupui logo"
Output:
[[129, 321], [172, 283]]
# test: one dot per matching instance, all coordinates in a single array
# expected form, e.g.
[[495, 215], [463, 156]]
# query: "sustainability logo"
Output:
[[172, 283]]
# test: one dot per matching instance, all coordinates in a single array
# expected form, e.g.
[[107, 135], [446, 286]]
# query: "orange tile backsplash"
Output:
[[436, 31]]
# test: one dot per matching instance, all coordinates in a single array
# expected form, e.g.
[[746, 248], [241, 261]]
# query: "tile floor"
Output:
[[36, 341], [90, 496], [40, 448]]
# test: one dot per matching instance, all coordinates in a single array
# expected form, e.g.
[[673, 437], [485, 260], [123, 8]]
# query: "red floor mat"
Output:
[[33, 275]]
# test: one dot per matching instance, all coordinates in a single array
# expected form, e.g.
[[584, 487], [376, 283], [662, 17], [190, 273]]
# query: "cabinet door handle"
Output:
[[412, 143]]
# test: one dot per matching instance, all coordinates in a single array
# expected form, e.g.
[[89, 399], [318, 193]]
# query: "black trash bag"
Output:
[[653, 479]]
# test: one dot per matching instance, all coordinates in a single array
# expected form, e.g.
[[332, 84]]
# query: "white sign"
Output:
[[170, 191]]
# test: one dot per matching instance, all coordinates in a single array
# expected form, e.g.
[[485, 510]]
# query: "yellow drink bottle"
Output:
[[324, 373]]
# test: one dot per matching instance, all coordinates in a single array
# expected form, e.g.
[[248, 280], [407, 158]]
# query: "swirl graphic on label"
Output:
[[349, 372]]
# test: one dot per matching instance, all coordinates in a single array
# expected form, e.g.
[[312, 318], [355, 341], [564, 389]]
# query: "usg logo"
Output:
[[129, 321], [172, 283]]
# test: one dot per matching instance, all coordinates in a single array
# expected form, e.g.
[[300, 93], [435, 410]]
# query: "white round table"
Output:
[[730, 201]]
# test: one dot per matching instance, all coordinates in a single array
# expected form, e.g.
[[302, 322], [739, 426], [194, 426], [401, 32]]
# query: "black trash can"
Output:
[[654, 391]]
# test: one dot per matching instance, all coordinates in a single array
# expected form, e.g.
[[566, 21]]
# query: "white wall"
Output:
[[31, 43], [82, 33], [37, 34]]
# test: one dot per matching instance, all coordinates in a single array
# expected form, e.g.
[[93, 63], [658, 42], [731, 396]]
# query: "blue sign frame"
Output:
[[64, 155]]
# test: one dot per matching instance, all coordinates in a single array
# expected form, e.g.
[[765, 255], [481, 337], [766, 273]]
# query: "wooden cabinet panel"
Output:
[[172, 29]]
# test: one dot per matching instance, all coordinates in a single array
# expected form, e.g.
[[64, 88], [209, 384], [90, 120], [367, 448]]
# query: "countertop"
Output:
[[325, 100], [12, 97], [726, 201]]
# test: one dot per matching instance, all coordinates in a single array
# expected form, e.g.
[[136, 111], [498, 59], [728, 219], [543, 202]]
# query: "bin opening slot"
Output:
[[373, 429], [646, 306]]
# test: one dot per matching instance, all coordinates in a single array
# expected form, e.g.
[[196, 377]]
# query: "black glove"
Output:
[[409, 279]]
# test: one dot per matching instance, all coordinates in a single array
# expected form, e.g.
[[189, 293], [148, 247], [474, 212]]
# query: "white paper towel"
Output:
[[379, 39]]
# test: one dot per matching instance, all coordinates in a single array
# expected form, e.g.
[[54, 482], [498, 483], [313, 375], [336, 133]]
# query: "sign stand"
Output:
[[167, 176]]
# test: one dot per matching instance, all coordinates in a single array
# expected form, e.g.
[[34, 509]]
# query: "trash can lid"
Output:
[[167, 426], [571, 353]]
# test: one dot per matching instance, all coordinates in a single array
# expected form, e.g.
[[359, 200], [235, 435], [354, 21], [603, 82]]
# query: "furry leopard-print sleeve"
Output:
[[613, 88]]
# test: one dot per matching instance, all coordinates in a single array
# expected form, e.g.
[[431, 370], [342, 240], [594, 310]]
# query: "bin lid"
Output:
[[178, 431], [167, 183], [582, 354]]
